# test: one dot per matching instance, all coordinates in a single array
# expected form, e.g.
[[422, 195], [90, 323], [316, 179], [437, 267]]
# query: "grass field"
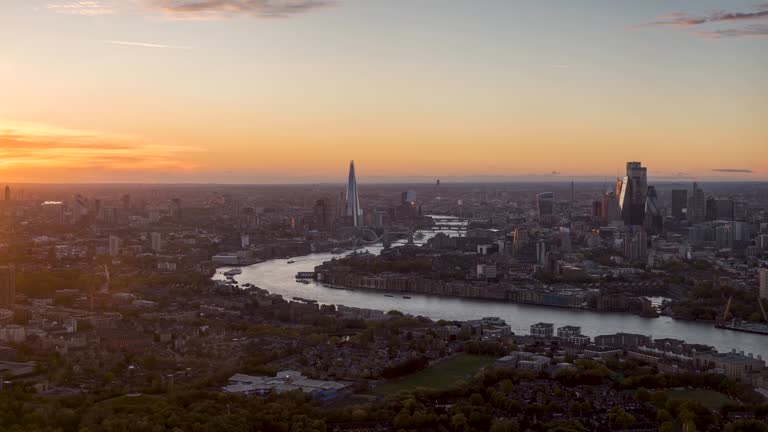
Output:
[[709, 398], [441, 376]]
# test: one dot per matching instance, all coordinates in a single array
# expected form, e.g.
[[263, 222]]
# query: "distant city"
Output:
[[547, 294]]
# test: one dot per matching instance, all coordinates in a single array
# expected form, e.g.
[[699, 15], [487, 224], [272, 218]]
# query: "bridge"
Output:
[[387, 237]]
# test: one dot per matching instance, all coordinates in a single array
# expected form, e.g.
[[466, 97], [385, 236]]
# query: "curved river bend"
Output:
[[278, 277]]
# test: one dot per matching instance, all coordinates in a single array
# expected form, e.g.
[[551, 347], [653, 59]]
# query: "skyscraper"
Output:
[[7, 193], [353, 199], [698, 208], [7, 287], [763, 277], [654, 220], [679, 203], [545, 204], [633, 194]]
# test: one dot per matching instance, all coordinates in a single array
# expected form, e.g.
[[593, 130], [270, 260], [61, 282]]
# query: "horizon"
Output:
[[288, 91]]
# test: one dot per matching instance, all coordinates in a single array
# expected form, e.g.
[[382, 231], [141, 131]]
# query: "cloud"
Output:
[[146, 45], [82, 7], [733, 170], [753, 31], [696, 24], [30, 146], [223, 9]]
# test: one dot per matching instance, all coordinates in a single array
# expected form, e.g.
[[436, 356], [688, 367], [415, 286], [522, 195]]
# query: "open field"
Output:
[[709, 398], [438, 377]]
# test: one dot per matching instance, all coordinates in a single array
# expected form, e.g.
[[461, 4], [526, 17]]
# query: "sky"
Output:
[[276, 91]]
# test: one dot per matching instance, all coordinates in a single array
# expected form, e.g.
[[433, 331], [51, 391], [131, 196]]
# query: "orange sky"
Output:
[[126, 91]]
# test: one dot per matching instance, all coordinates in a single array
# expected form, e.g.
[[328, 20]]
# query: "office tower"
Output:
[[679, 203], [324, 214], [654, 220], [610, 209], [520, 239], [710, 209], [126, 201], [353, 211], [740, 211], [157, 242], [635, 244], [763, 277], [7, 193], [633, 194], [698, 204], [724, 209], [597, 209], [545, 204], [114, 245], [7, 287], [79, 208], [249, 220], [408, 197]]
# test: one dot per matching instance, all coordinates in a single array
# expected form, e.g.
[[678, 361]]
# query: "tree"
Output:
[[504, 425], [620, 418], [746, 426]]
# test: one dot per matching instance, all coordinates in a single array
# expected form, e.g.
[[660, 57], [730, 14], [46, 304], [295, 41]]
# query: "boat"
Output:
[[291, 261], [337, 251], [234, 271], [387, 295], [303, 281], [406, 297]]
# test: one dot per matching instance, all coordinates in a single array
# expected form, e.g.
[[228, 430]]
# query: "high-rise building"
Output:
[[724, 209], [156, 241], [654, 220], [633, 194], [114, 245], [545, 204], [679, 203], [763, 276], [7, 287], [609, 209], [697, 208], [353, 211], [7, 193]]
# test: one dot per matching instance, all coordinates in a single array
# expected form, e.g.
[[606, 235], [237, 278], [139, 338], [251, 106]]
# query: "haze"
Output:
[[290, 91]]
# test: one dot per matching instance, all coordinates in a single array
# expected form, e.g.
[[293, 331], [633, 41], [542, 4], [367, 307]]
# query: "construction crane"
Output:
[[762, 308], [727, 308]]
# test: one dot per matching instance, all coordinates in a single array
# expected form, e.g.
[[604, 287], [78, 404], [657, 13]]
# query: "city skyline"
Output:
[[285, 92]]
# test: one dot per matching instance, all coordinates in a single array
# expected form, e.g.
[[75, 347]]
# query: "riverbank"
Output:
[[278, 277]]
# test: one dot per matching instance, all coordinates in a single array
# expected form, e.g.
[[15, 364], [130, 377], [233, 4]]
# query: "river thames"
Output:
[[278, 277]]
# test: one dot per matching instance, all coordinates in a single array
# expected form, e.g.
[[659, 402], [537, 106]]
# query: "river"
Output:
[[278, 277]]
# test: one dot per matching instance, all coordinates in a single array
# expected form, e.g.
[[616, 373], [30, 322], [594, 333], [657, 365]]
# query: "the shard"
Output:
[[353, 200]]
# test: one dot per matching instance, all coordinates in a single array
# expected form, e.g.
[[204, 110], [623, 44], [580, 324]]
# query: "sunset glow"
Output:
[[166, 90]]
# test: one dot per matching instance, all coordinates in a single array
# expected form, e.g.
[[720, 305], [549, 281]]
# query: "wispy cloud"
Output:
[[701, 25], [223, 9], [82, 7], [750, 31], [733, 170], [31, 146], [146, 45]]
